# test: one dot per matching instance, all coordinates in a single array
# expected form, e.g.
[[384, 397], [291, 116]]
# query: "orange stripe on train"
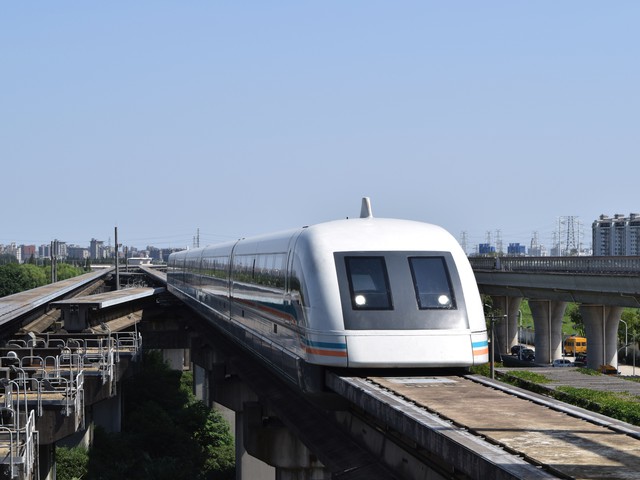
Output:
[[326, 353]]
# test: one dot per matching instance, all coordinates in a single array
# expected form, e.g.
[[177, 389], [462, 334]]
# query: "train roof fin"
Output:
[[365, 211]]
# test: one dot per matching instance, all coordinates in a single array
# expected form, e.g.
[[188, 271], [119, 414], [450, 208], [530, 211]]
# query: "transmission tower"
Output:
[[463, 241], [488, 237], [567, 243], [498, 242], [196, 239]]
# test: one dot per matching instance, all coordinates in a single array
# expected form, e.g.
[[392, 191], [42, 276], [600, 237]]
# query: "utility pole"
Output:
[[54, 261], [117, 271]]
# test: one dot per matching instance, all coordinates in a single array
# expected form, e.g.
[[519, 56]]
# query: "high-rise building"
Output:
[[515, 249], [619, 235], [28, 252], [96, 249]]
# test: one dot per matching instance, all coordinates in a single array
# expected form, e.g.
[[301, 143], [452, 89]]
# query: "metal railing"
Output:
[[616, 265], [18, 436]]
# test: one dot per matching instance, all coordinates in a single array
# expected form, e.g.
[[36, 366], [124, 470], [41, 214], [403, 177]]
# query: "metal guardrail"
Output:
[[616, 265], [28, 381]]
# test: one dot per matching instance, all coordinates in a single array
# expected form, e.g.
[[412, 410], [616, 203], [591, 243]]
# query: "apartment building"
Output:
[[617, 235]]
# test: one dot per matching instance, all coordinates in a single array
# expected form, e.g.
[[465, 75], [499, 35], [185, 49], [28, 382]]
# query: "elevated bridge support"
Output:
[[601, 326], [280, 433], [268, 439], [547, 321], [506, 329], [265, 446]]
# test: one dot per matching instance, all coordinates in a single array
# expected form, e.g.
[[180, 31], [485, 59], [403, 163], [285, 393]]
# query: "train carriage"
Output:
[[355, 293]]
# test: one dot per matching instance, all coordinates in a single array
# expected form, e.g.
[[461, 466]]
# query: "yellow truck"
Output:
[[574, 345]]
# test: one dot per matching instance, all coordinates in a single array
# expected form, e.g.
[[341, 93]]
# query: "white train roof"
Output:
[[366, 233]]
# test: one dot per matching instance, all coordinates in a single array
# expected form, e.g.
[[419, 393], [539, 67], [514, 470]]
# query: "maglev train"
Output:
[[361, 293]]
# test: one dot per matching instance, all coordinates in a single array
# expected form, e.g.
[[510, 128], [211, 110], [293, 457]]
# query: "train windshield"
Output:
[[431, 282], [368, 283]]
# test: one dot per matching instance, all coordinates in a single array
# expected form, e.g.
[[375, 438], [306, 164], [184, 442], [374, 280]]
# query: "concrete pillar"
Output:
[[267, 438], [249, 467], [201, 387], [601, 328], [46, 462], [108, 413], [547, 321], [506, 329], [175, 357]]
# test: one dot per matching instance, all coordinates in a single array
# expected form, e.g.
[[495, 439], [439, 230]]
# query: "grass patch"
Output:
[[527, 380], [620, 405], [528, 376], [484, 369]]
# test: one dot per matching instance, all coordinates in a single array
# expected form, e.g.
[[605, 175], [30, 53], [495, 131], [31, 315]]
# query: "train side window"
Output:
[[431, 282], [368, 283]]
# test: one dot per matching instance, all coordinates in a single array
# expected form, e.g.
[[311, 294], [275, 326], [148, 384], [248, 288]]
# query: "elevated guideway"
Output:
[[486, 429], [77, 312], [48, 375], [21, 308]]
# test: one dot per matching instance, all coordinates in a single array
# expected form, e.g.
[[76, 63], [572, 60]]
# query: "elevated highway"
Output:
[[418, 425], [601, 286]]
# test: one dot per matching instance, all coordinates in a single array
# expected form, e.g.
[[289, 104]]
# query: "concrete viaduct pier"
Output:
[[279, 433]]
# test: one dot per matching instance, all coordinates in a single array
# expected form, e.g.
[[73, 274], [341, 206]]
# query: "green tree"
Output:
[[7, 258], [166, 434], [573, 311], [64, 270], [33, 275], [632, 331], [68, 271], [71, 463], [16, 278]]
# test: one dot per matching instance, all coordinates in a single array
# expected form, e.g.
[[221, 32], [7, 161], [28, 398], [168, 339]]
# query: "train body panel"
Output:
[[448, 349], [363, 292]]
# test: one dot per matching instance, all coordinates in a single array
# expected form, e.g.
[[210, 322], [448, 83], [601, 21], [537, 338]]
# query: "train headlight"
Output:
[[360, 300], [443, 300]]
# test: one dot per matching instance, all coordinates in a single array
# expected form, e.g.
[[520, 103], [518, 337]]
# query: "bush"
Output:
[[71, 463], [166, 432]]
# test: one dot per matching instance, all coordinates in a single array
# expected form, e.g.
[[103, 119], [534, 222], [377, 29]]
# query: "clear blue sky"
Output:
[[239, 118]]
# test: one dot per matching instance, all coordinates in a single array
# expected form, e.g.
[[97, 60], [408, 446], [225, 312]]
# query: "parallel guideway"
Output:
[[524, 426]]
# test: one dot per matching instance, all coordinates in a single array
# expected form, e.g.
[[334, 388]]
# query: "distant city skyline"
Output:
[[570, 233]]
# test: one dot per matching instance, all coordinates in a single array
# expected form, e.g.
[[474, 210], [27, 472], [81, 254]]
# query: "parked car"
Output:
[[562, 362], [581, 360], [527, 354], [515, 350]]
